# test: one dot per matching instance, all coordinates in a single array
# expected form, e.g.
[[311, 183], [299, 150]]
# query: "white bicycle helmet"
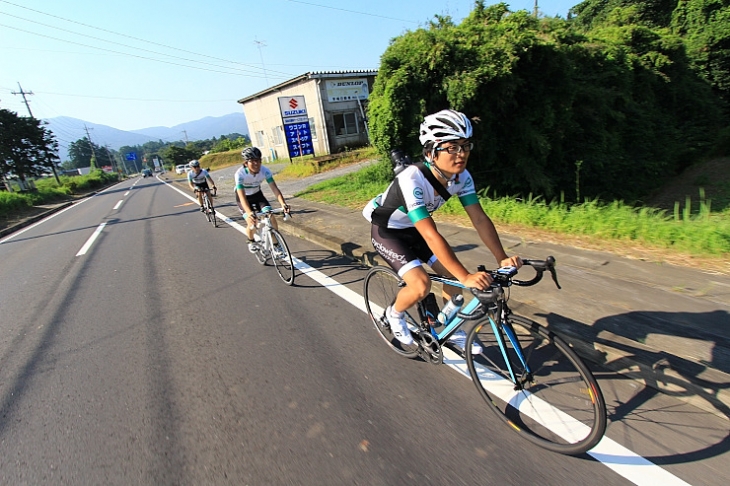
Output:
[[194, 163], [443, 126]]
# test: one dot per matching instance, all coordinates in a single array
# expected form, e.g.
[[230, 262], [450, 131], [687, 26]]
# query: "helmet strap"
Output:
[[449, 181]]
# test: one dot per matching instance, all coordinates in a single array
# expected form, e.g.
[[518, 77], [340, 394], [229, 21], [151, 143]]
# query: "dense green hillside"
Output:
[[607, 104]]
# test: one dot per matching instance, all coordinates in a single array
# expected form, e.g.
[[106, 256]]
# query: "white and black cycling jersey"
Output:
[[197, 179], [411, 198], [250, 182]]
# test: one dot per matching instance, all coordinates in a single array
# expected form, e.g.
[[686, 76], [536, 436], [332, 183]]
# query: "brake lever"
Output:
[[551, 267]]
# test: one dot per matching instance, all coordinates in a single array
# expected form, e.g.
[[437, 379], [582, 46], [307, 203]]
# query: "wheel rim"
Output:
[[561, 408], [283, 263], [380, 288]]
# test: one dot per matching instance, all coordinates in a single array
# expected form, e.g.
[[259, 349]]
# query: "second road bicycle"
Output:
[[270, 244]]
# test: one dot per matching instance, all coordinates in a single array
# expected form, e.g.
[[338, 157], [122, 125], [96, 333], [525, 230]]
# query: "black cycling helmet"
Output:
[[194, 163], [250, 153]]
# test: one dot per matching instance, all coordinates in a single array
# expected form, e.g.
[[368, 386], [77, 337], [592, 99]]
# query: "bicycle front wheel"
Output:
[[557, 404], [281, 256], [380, 289], [261, 245], [206, 206]]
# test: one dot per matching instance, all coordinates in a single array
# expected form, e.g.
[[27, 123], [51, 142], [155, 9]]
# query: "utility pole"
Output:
[[261, 44], [186, 136], [91, 144], [109, 157], [535, 11], [25, 100], [27, 105]]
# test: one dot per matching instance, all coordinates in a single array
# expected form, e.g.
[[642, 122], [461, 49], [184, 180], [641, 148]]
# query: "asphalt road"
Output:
[[165, 354]]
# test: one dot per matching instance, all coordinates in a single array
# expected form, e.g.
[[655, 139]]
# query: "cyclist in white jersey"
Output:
[[198, 182], [249, 196], [404, 233]]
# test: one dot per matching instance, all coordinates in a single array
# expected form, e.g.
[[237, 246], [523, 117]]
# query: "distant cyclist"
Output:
[[198, 181], [404, 233], [249, 197]]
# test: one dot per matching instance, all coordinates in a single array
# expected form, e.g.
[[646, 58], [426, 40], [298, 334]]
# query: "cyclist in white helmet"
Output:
[[404, 233], [198, 182]]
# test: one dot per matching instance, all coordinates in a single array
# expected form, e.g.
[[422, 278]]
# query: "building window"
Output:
[[278, 135], [260, 138], [312, 129], [345, 124]]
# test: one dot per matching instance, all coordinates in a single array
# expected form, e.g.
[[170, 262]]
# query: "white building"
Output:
[[336, 108]]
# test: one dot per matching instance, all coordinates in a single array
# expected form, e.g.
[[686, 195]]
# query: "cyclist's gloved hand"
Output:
[[287, 209], [252, 220], [513, 261], [479, 280]]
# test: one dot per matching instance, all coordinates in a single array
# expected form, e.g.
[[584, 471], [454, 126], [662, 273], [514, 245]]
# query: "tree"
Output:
[[178, 155], [619, 96], [26, 147]]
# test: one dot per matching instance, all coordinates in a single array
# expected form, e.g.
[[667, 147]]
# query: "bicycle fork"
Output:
[[500, 330]]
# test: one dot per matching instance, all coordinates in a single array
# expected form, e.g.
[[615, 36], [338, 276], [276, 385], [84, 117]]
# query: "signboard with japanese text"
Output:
[[297, 131], [347, 90]]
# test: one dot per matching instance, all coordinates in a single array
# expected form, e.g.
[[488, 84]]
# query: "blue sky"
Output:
[[141, 63]]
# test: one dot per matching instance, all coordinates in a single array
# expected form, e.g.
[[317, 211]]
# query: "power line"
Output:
[[123, 45], [350, 11], [126, 53], [131, 37]]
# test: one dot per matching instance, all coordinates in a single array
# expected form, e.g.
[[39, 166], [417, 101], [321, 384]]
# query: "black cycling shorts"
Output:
[[257, 201], [403, 249], [203, 186]]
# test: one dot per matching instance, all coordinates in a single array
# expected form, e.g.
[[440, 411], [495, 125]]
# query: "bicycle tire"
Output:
[[211, 211], [206, 206], [283, 262], [260, 252], [379, 290], [561, 409]]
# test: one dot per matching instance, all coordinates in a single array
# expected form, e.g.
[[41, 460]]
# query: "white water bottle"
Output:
[[451, 308]]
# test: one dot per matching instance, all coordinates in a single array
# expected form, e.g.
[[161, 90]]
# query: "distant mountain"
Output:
[[69, 130], [202, 129]]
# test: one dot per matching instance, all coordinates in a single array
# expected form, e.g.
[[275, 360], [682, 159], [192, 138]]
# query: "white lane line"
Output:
[[118, 204], [127, 193], [91, 239], [18, 233], [610, 453]]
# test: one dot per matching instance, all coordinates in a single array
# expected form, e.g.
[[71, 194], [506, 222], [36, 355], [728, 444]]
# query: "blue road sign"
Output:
[[131, 156], [298, 139]]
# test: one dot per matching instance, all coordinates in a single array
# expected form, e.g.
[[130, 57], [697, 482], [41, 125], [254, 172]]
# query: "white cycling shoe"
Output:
[[458, 339], [398, 327], [252, 247]]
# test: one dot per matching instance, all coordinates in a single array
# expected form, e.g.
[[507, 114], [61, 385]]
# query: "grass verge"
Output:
[[671, 236], [49, 191]]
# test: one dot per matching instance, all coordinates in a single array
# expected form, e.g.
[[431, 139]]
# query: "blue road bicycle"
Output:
[[529, 376]]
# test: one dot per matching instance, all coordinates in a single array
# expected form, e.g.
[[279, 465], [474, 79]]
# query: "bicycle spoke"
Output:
[[381, 286], [557, 403]]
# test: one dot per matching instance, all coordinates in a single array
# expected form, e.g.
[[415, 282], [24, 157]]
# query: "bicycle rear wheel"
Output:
[[281, 257], [558, 406], [380, 289]]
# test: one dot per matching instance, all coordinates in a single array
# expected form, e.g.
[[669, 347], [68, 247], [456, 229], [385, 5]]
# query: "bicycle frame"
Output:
[[264, 228], [467, 313]]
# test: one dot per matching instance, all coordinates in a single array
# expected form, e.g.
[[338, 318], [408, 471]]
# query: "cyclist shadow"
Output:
[[618, 345], [334, 265]]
